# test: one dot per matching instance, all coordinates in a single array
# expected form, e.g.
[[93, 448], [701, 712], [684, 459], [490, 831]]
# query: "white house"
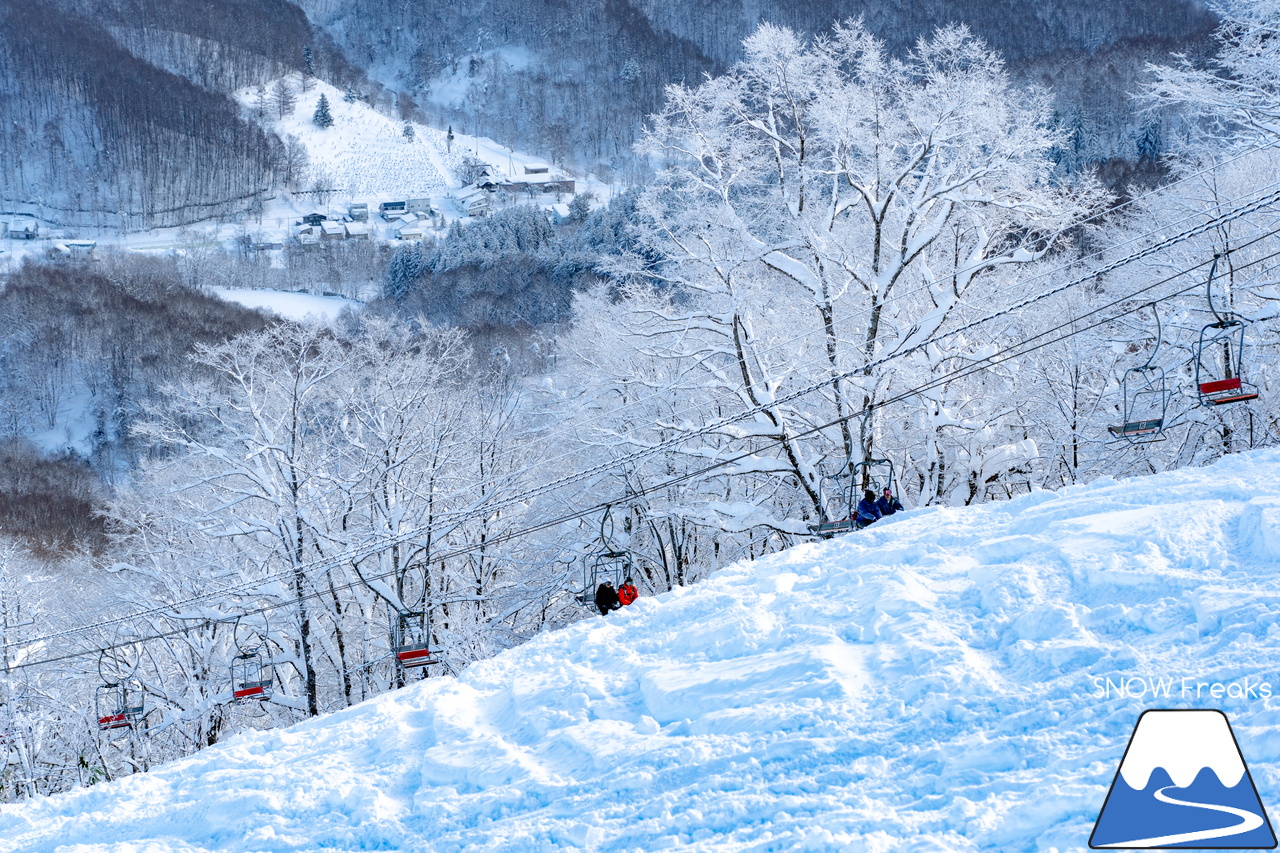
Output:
[[472, 201], [24, 229]]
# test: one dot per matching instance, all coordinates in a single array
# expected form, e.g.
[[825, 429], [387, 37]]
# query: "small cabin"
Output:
[[24, 229], [314, 218], [559, 214], [415, 230], [559, 185], [308, 239], [265, 244], [330, 230], [81, 250], [358, 212], [537, 169], [358, 230]]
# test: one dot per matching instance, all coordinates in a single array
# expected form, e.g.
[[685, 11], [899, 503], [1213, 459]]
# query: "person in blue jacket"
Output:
[[888, 504], [867, 513]]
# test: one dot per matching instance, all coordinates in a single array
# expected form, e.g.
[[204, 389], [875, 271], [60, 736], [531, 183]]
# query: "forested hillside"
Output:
[[90, 134], [115, 114], [576, 80], [118, 114]]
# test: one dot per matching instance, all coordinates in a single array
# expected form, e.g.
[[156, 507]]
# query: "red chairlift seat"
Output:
[[415, 655], [1223, 391], [253, 690], [114, 721]]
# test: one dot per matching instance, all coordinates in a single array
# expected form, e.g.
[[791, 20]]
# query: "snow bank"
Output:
[[947, 680]]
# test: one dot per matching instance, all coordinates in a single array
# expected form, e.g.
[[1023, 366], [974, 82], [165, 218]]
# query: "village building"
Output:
[[330, 230], [358, 230], [263, 243], [410, 230], [82, 250], [24, 229], [314, 218], [308, 239], [472, 201], [358, 211], [418, 205], [391, 209]]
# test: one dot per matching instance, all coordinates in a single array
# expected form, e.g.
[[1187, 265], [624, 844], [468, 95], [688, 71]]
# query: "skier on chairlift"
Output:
[[867, 512], [627, 593], [606, 598], [888, 504]]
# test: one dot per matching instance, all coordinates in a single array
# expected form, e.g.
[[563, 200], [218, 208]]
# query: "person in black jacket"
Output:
[[888, 504], [606, 598], [866, 512]]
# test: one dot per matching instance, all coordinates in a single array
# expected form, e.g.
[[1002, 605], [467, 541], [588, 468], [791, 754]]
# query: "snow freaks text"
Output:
[[1173, 687]]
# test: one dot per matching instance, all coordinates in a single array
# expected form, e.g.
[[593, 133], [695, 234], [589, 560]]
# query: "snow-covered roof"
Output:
[[23, 225], [536, 168], [357, 229], [330, 228]]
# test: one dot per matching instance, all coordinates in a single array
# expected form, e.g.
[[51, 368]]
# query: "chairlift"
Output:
[[413, 639], [1146, 394], [852, 480], [611, 563], [253, 674], [1219, 356], [119, 702]]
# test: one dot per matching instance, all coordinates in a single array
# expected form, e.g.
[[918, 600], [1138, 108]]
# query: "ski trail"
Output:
[[1249, 821]]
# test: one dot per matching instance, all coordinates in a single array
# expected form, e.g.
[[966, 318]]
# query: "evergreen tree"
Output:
[[350, 96], [407, 132], [322, 118]]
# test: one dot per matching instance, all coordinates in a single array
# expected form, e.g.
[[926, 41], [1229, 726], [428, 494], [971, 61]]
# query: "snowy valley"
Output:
[[639, 426]]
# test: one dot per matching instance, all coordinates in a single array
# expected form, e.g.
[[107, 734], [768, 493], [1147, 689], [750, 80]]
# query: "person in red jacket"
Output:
[[627, 593]]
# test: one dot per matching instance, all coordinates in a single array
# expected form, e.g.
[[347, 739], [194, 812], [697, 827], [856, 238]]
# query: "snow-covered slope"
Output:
[[364, 153], [938, 682]]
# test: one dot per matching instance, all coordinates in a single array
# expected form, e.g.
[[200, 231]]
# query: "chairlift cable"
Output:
[[976, 366]]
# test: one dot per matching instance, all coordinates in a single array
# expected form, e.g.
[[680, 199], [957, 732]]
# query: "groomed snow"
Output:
[[364, 153], [930, 684], [291, 306]]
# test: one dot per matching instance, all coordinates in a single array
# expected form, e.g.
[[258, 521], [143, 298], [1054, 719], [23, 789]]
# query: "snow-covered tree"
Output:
[[823, 207], [1240, 90], [322, 118], [407, 132]]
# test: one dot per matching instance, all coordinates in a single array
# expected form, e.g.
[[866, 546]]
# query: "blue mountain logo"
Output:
[[1183, 783]]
